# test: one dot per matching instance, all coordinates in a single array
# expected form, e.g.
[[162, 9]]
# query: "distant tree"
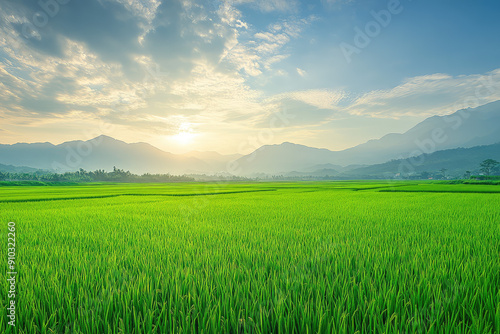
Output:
[[425, 175], [467, 174], [443, 171], [118, 175], [488, 165]]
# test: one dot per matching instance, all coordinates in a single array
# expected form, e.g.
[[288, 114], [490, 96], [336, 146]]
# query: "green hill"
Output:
[[456, 161]]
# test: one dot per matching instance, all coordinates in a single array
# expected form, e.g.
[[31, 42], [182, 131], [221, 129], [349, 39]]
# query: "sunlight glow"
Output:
[[185, 135]]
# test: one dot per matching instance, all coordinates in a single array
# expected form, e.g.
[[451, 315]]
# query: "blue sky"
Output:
[[231, 76]]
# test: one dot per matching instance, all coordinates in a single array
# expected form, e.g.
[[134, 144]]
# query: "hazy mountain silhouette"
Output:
[[214, 160], [456, 161], [102, 152], [283, 158], [17, 169], [464, 128]]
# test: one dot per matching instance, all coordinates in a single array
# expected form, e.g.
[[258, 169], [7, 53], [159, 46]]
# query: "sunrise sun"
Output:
[[185, 135]]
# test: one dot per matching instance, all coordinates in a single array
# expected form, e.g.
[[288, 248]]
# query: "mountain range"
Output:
[[457, 136], [464, 128], [105, 152], [455, 161]]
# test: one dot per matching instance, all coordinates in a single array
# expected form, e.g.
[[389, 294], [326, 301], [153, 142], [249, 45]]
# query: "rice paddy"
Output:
[[324, 257]]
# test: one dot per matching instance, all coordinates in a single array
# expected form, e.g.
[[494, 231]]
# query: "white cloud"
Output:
[[301, 72], [436, 94], [241, 57], [321, 99], [219, 94], [214, 90], [423, 96], [269, 37], [277, 5], [265, 49], [142, 8]]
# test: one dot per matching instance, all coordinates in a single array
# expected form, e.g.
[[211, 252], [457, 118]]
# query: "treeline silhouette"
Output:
[[117, 175]]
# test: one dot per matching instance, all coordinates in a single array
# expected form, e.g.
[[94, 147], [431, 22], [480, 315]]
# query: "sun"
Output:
[[184, 138], [185, 135]]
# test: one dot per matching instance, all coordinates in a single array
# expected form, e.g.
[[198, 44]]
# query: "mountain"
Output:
[[102, 152], [464, 128], [456, 161], [216, 161], [17, 169], [283, 158]]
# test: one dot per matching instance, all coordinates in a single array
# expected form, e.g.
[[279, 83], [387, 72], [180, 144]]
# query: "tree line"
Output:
[[488, 169], [117, 175]]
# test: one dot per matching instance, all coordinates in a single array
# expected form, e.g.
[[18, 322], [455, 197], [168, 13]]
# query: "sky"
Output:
[[231, 76]]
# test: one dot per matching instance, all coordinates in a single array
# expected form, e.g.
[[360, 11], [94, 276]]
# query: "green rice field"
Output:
[[289, 257]]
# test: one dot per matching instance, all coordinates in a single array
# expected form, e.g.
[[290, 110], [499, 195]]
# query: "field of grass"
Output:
[[330, 257]]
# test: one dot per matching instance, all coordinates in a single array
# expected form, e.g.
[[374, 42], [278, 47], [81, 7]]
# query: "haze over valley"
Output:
[[477, 130]]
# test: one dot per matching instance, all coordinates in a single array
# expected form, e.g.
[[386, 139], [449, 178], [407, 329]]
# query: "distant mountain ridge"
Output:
[[455, 161], [17, 169], [216, 161], [102, 152], [464, 128], [283, 157]]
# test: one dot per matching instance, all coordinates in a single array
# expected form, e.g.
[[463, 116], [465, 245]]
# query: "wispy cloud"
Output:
[[301, 72], [321, 99], [436, 94], [270, 5], [147, 66], [258, 53], [197, 46]]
